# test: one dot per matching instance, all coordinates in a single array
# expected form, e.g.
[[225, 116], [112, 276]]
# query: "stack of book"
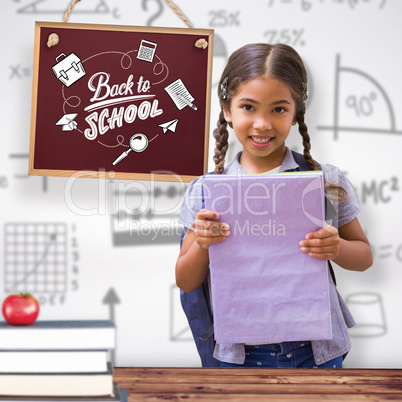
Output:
[[58, 361]]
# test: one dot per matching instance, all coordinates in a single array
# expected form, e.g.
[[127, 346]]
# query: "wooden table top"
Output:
[[251, 384]]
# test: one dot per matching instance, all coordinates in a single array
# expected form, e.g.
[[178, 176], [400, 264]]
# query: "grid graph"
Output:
[[35, 257]]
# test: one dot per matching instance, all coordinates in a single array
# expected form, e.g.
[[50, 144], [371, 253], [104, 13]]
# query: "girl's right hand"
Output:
[[207, 231]]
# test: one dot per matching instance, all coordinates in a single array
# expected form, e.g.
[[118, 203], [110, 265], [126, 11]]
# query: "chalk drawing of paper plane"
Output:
[[146, 51], [67, 122], [180, 95], [169, 126], [179, 329], [69, 70]]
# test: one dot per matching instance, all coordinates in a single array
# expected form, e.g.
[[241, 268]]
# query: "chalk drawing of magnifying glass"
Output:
[[138, 143]]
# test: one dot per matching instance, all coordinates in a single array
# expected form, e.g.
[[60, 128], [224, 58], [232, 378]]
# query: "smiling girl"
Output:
[[262, 93]]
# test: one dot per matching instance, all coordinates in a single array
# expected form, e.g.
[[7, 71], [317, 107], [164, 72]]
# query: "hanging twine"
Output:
[[54, 39], [201, 43], [69, 9], [179, 13]]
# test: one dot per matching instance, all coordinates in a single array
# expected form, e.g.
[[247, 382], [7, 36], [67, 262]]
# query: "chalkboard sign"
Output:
[[123, 99]]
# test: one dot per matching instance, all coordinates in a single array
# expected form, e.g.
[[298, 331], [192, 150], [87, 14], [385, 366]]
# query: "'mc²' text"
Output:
[[106, 95]]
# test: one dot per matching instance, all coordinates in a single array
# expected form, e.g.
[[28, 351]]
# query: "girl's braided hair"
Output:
[[261, 60]]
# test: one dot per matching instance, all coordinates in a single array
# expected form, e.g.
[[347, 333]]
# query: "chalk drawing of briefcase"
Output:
[[68, 70]]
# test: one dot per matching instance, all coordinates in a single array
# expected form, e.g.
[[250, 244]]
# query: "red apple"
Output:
[[21, 309]]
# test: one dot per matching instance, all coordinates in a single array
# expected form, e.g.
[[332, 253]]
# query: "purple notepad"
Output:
[[264, 289]]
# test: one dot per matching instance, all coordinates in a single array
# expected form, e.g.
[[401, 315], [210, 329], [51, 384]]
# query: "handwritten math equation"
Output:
[[306, 5], [223, 18], [378, 191], [387, 250], [17, 71], [291, 37]]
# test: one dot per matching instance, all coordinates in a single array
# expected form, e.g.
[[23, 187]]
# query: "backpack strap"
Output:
[[301, 161], [197, 308], [330, 211], [210, 331]]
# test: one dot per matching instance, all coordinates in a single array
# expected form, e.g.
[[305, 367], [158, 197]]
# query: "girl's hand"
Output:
[[207, 231], [323, 244]]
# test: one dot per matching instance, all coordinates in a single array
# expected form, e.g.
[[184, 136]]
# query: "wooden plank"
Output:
[[208, 96], [34, 97], [263, 379], [196, 371], [125, 28], [260, 398], [89, 174], [203, 384], [258, 388]]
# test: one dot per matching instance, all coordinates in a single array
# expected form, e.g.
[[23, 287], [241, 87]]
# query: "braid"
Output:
[[306, 142], [333, 191], [221, 136]]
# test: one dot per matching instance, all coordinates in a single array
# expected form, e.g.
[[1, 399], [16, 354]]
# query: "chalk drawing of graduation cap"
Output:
[[67, 122]]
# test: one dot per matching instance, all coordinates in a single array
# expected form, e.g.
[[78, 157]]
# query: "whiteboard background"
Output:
[[361, 34]]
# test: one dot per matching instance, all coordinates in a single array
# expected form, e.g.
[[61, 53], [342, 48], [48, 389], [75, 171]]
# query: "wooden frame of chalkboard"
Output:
[[123, 102]]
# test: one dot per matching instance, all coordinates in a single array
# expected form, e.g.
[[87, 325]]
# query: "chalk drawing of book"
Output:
[[361, 104], [180, 95]]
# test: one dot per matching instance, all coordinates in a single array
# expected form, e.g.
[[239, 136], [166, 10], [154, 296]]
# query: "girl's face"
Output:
[[262, 114]]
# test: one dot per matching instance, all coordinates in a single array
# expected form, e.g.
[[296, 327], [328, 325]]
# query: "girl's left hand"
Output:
[[323, 244]]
